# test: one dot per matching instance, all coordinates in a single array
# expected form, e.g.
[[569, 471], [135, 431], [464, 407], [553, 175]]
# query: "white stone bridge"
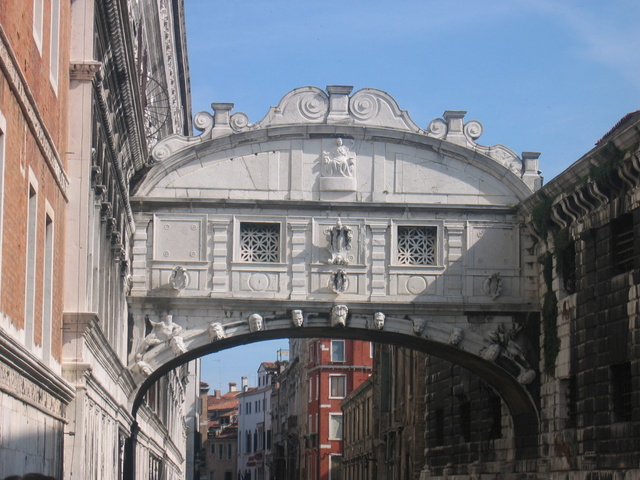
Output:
[[337, 216]]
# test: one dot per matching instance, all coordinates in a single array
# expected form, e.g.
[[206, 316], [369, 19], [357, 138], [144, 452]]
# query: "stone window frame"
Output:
[[394, 261], [237, 230]]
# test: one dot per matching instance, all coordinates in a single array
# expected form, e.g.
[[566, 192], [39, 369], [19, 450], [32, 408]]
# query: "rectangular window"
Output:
[[54, 56], [337, 386], [259, 242], [335, 467], [417, 245], [229, 451], [212, 449], [335, 426], [38, 20], [465, 419], [220, 450], [337, 351], [439, 427], [495, 409], [621, 392], [623, 249], [228, 476], [30, 293], [47, 307]]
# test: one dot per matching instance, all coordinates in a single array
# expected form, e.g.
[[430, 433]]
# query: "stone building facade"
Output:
[[384, 418], [586, 228], [88, 87]]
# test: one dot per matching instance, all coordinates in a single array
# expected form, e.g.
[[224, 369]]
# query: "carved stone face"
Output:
[[296, 318], [339, 315], [256, 323], [216, 332], [419, 324], [456, 336], [378, 320]]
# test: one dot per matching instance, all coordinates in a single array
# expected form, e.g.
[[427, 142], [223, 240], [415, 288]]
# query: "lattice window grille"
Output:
[[259, 242], [417, 245]]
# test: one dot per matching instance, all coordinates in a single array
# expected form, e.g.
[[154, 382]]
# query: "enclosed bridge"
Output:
[[337, 216]]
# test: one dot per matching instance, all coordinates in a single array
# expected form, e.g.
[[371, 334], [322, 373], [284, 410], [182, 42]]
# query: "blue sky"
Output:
[[540, 75]]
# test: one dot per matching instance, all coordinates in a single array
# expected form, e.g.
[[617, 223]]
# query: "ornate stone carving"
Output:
[[419, 325], [141, 367], [378, 321], [339, 245], [165, 331], [297, 318], [216, 331], [456, 336], [502, 343], [339, 315], [492, 285], [339, 281], [256, 322], [340, 162], [179, 278]]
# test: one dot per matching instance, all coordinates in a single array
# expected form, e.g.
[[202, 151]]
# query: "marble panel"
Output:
[[179, 237]]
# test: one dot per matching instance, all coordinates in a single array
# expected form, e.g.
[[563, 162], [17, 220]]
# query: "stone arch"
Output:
[[358, 207]]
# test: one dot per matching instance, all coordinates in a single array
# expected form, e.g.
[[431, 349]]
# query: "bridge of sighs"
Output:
[[337, 216]]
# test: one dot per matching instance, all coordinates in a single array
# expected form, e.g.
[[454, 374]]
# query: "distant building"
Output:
[[288, 411], [220, 435], [254, 425], [322, 372]]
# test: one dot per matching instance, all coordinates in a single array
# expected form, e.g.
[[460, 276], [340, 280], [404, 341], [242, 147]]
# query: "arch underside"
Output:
[[428, 330]]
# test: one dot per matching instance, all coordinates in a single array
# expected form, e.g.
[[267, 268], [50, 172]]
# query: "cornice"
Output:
[[20, 88], [30, 369], [83, 70], [86, 325]]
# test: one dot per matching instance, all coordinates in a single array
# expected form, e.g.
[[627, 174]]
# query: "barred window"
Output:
[[417, 245], [259, 242]]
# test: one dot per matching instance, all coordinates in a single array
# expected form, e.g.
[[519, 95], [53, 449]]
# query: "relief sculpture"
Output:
[[339, 243], [502, 343], [165, 331], [340, 162]]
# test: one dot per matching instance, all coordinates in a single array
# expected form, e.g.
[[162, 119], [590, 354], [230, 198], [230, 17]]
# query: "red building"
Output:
[[334, 368]]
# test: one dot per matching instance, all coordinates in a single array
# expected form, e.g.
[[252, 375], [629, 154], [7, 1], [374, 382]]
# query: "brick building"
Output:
[[86, 88], [309, 419], [34, 192]]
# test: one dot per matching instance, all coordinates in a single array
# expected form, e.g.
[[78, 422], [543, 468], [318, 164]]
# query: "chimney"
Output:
[[245, 383], [232, 387], [217, 394]]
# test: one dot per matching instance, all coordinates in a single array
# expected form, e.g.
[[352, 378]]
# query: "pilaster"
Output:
[[378, 258], [299, 279]]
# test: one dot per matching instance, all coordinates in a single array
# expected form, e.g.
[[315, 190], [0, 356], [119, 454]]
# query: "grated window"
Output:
[[259, 242], [417, 245]]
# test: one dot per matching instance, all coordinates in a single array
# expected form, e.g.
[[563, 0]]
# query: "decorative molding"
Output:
[[83, 70], [23, 376], [24, 97]]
